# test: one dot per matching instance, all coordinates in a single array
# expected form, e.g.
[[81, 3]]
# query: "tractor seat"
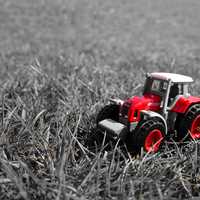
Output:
[[174, 91]]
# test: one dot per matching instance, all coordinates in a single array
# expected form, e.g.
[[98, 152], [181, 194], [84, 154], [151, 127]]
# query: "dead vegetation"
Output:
[[60, 62], [46, 122]]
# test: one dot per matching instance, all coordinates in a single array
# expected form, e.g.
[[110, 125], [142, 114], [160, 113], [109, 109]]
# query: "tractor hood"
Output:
[[146, 102], [137, 103]]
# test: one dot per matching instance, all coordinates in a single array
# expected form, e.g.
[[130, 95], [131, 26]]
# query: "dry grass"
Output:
[[60, 62]]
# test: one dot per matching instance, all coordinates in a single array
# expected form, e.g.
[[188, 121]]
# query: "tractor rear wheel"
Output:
[[190, 123], [149, 135], [108, 112]]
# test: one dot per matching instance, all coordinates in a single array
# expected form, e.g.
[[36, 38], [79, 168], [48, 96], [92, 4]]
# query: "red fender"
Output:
[[182, 105]]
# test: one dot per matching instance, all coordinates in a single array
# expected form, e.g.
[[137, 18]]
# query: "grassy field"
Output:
[[60, 61]]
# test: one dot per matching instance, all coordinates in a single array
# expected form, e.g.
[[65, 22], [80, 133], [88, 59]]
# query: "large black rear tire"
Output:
[[189, 126], [148, 135]]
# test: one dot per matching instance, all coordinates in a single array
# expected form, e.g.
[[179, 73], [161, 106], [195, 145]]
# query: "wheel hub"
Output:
[[195, 128], [153, 141]]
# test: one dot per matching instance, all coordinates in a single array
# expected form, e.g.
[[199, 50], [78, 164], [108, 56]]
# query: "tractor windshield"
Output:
[[155, 86]]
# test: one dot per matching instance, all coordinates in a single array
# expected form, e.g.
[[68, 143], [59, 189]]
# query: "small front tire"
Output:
[[110, 111]]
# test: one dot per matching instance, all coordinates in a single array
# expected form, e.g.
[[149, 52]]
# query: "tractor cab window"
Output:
[[155, 86], [175, 90], [186, 89], [178, 89]]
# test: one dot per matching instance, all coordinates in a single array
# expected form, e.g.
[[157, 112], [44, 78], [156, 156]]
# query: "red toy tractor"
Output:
[[166, 107]]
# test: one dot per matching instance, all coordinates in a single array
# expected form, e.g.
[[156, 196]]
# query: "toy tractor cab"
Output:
[[166, 107]]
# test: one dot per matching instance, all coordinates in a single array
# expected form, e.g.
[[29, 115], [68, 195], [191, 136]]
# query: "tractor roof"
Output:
[[176, 78]]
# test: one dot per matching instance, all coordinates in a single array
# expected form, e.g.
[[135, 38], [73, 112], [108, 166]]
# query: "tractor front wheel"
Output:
[[96, 137], [149, 135], [108, 112]]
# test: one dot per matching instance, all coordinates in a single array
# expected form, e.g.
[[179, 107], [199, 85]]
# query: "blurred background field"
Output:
[[111, 31], [60, 61]]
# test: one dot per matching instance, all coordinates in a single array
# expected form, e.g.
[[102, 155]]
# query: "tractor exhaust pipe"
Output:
[[114, 129]]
